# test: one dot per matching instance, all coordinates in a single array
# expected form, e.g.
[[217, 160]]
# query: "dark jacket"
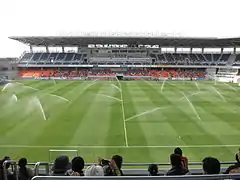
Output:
[[175, 170]]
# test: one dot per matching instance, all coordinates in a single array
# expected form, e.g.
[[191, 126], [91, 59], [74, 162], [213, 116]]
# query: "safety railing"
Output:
[[129, 169], [37, 168], [188, 177], [13, 165]]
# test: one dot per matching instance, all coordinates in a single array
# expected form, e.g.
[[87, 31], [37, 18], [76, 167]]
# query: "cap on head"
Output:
[[61, 164]]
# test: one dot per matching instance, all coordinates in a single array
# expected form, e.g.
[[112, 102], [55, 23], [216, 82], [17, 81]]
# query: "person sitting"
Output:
[[177, 167], [10, 175], [211, 165], [77, 167], [234, 169], [94, 170], [24, 173], [183, 158], [112, 167], [60, 166], [153, 170]]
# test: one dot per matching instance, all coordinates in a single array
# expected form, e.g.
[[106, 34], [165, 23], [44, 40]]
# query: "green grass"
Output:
[[96, 124]]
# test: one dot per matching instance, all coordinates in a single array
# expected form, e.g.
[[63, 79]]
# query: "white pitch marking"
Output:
[[41, 108], [110, 147], [111, 97], [60, 97], [123, 115], [193, 108], [143, 113], [193, 94], [5, 87], [90, 84], [218, 93], [30, 87], [116, 87], [163, 85], [230, 86], [15, 97], [197, 86]]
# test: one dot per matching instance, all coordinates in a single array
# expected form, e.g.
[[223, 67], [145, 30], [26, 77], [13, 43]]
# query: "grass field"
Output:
[[141, 120]]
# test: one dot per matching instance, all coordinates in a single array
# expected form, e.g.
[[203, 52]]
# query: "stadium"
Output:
[[139, 97]]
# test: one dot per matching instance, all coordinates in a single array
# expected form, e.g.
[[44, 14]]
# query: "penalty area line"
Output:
[[112, 147]]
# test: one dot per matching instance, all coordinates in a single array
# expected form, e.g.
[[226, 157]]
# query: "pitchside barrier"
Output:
[[129, 169], [188, 177]]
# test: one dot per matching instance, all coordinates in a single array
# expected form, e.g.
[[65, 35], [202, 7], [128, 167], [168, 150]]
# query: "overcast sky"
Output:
[[208, 18]]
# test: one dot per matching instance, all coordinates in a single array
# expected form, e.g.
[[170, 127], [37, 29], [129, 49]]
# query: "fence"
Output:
[[129, 169], [188, 177]]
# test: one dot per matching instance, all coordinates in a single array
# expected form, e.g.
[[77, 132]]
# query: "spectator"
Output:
[[24, 173], [183, 158], [211, 165], [153, 170], [234, 169], [177, 168], [116, 165], [61, 165], [10, 175], [77, 167], [112, 167], [94, 170], [237, 157]]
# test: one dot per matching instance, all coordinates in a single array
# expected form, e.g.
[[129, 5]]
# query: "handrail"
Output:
[[5, 169], [189, 177], [147, 164], [37, 165]]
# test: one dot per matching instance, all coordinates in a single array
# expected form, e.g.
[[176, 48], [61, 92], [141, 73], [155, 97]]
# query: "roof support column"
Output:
[[78, 49], [62, 49], [222, 50], [191, 50], [31, 49], [202, 50], [47, 49], [175, 50], [234, 50], [160, 49]]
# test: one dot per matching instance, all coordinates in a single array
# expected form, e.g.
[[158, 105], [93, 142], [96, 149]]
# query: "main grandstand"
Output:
[[78, 98]]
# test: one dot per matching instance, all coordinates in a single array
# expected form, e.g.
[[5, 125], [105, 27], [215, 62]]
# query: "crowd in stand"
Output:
[[156, 73], [113, 167]]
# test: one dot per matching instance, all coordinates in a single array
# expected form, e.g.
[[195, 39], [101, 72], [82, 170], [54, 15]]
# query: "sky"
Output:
[[194, 18]]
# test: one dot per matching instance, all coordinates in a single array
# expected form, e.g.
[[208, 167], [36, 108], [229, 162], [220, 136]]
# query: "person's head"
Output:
[[2, 161], [61, 164], [78, 164], [153, 169], [211, 165], [94, 170], [22, 162], [178, 151], [175, 160], [118, 160]]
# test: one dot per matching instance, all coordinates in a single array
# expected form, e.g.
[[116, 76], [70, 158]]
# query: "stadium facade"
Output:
[[121, 54]]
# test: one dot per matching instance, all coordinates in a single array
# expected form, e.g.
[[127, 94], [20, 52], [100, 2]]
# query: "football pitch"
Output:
[[141, 120]]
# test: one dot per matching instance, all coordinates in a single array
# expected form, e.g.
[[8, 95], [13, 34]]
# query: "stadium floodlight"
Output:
[[54, 153]]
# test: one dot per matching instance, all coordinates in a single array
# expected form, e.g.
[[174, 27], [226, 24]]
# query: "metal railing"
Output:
[[188, 177], [129, 169], [13, 165]]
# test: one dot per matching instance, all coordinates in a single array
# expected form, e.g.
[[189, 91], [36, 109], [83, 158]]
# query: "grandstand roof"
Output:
[[129, 40]]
